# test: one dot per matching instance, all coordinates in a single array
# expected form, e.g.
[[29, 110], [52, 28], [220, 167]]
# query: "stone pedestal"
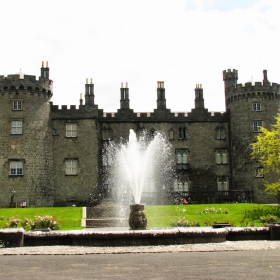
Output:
[[137, 217]]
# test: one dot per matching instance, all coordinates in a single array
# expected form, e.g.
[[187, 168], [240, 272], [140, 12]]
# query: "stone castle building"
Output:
[[53, 156]]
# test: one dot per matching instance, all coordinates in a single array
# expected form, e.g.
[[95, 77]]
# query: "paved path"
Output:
[[261, 264]]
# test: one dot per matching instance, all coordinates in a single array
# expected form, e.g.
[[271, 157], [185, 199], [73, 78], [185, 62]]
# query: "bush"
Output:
[[185, 223], [38, 223], [269, 219]]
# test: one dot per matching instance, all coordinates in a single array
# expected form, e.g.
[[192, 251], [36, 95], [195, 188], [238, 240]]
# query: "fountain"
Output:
[[143, 164]]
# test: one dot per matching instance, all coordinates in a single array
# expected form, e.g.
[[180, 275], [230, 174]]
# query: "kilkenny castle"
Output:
[[56, 156]]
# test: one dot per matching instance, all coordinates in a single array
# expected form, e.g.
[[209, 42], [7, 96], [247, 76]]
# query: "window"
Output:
[[257, 126], [71, 167], [222, 183], [106, 158], [220, 133], [71, 130], [259, 172], [182, 133], [55, 131], [256, 107], [182, 158], [181, 185], [152, 133], [16, 168], [171, 134], [221, 156], [107, 134], [16, 127], [17, 104]]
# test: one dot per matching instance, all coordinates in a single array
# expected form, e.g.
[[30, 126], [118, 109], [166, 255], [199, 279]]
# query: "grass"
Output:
[[239, 214], [68, 217], [159, 216]]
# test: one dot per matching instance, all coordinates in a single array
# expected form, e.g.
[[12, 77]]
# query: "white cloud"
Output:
[[139, 42]]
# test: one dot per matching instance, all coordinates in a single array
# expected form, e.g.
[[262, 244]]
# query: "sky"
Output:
[[180, 42]]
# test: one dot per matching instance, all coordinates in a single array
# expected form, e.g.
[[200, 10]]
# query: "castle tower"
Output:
[[161, 101], [26, 138], [124, 96], [251, 105], [89, 93]]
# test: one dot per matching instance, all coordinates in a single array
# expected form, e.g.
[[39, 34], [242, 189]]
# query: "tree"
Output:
[[267, 151]]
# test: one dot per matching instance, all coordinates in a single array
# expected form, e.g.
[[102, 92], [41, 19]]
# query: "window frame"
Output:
[[259, 172], [221, 156], [182, 133], [256, 106], [71, 130], [181, 185], [107, 134], [220, 133], [18, 167], [70, 168], [222, 184], [17, 104], [257, 126], [16, 129]]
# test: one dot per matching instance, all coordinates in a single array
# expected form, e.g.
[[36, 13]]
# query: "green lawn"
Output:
[[68, 217], [239, 214], [158, 216]]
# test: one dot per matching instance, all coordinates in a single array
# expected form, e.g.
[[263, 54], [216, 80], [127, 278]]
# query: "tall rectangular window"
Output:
[[222, 184], [220, 133], [221, 156], [71, 167], [16, 168], [181, 185], [71, 130], [106, 158], [259, 172], [256, 107], [182, 158], [16, 127], [257, 126], [17, 104]]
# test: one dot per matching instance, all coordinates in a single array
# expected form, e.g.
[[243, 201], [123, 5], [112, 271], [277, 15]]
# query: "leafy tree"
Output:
[[267, 151]]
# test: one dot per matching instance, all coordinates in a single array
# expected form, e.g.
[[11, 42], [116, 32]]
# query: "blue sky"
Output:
[[180, 42]]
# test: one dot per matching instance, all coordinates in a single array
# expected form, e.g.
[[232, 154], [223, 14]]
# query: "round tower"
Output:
[[26, 139], [251, 105]]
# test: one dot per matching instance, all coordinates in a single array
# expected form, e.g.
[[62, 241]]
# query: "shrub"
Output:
[[39, 222], [269, 218], [46, 222], [185, 223]]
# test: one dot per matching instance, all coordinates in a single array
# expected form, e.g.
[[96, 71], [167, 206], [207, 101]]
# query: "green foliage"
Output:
[[38, 223], [213, 210], [267, 151], [237, 214], [67, 217]]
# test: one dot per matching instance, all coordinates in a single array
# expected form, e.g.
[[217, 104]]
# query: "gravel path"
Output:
[[80, 250]]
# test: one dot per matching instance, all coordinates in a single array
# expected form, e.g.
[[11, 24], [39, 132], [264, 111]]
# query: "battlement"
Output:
[[250, 89], [26, 84], [83, 111], [168, 117]]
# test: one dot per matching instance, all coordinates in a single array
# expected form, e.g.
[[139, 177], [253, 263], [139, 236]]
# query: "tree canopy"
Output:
[[267, 151]]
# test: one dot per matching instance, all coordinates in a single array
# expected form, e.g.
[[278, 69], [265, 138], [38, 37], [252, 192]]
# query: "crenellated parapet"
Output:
[[83, 111], [163, 117], [234, 91], [251, 90], [27, 84]]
